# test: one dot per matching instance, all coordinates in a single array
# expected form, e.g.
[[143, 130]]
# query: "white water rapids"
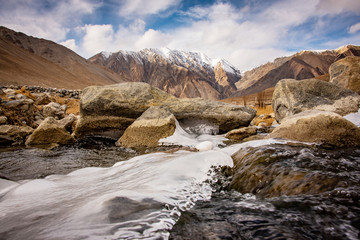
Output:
[[138, 198]]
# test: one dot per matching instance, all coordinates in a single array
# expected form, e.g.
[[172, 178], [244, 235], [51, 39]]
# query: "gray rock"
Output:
[[154, 124], [54, 110], [20, 96], [9, 91], [293, 96], [320, 127]]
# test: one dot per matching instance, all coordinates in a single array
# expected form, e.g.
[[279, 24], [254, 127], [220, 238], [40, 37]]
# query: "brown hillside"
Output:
[[27, 60], [302, 65]]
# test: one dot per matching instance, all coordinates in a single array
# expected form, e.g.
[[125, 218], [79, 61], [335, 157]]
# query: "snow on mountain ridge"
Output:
[[182, 58]]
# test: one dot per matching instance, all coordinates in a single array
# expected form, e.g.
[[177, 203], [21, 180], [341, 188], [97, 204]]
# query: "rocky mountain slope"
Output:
[[26, 60], [182, 74], [302, 65]]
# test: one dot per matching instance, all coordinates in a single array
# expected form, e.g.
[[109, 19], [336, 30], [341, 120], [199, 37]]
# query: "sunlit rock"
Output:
[[50, 131], [346, 73], [292, 96], [154, 124], [241, 133], [318, 127]]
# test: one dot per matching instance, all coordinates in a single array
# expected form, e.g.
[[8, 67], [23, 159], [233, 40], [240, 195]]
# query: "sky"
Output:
[[247, 33]]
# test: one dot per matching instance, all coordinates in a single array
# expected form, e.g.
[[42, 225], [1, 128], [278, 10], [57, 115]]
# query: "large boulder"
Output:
[[284, 169], [113, 108], [318, 127], [154, 124], [50, 131], [11, 134], [293, 96], [346, 73], [128, 100]]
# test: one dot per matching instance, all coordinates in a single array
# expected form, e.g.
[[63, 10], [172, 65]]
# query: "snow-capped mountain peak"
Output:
[[194, 60]]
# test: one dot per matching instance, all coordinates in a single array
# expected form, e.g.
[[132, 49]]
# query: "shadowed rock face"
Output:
[[292, 96], [181, 74], [115, 107]]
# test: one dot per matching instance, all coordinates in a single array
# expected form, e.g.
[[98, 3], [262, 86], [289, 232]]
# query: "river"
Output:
[[94, 190]]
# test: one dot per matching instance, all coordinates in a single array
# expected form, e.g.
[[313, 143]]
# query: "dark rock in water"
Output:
[[289, 170], [291, 96], [122, 209], [154, 124], [332, 214]]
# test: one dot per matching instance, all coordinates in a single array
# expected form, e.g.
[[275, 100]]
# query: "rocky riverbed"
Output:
[[130, 161]]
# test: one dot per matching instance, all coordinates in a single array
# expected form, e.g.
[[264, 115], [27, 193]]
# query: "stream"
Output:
[[94, 190]]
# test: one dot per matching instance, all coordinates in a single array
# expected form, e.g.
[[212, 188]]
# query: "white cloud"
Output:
[[131, 8], [54, 22], [138, 25], [338, 6], [70, 43], [152, 39], [97, 38], [247, 36], [354, 28]]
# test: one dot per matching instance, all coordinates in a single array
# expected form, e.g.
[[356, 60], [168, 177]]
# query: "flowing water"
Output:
[[106, 192]]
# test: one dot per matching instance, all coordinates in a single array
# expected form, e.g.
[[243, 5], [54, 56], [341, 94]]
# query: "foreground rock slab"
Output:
[[154, 124], [113, 108], [318, 127], [293, 96], [289, 169]]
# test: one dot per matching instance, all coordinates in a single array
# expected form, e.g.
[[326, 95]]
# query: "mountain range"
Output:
[[182, 74], [26, 60]]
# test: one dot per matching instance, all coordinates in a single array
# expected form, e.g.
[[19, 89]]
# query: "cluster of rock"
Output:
[[141, 114], [23, 114], [309, 111], [53, 91], [135, 114]]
